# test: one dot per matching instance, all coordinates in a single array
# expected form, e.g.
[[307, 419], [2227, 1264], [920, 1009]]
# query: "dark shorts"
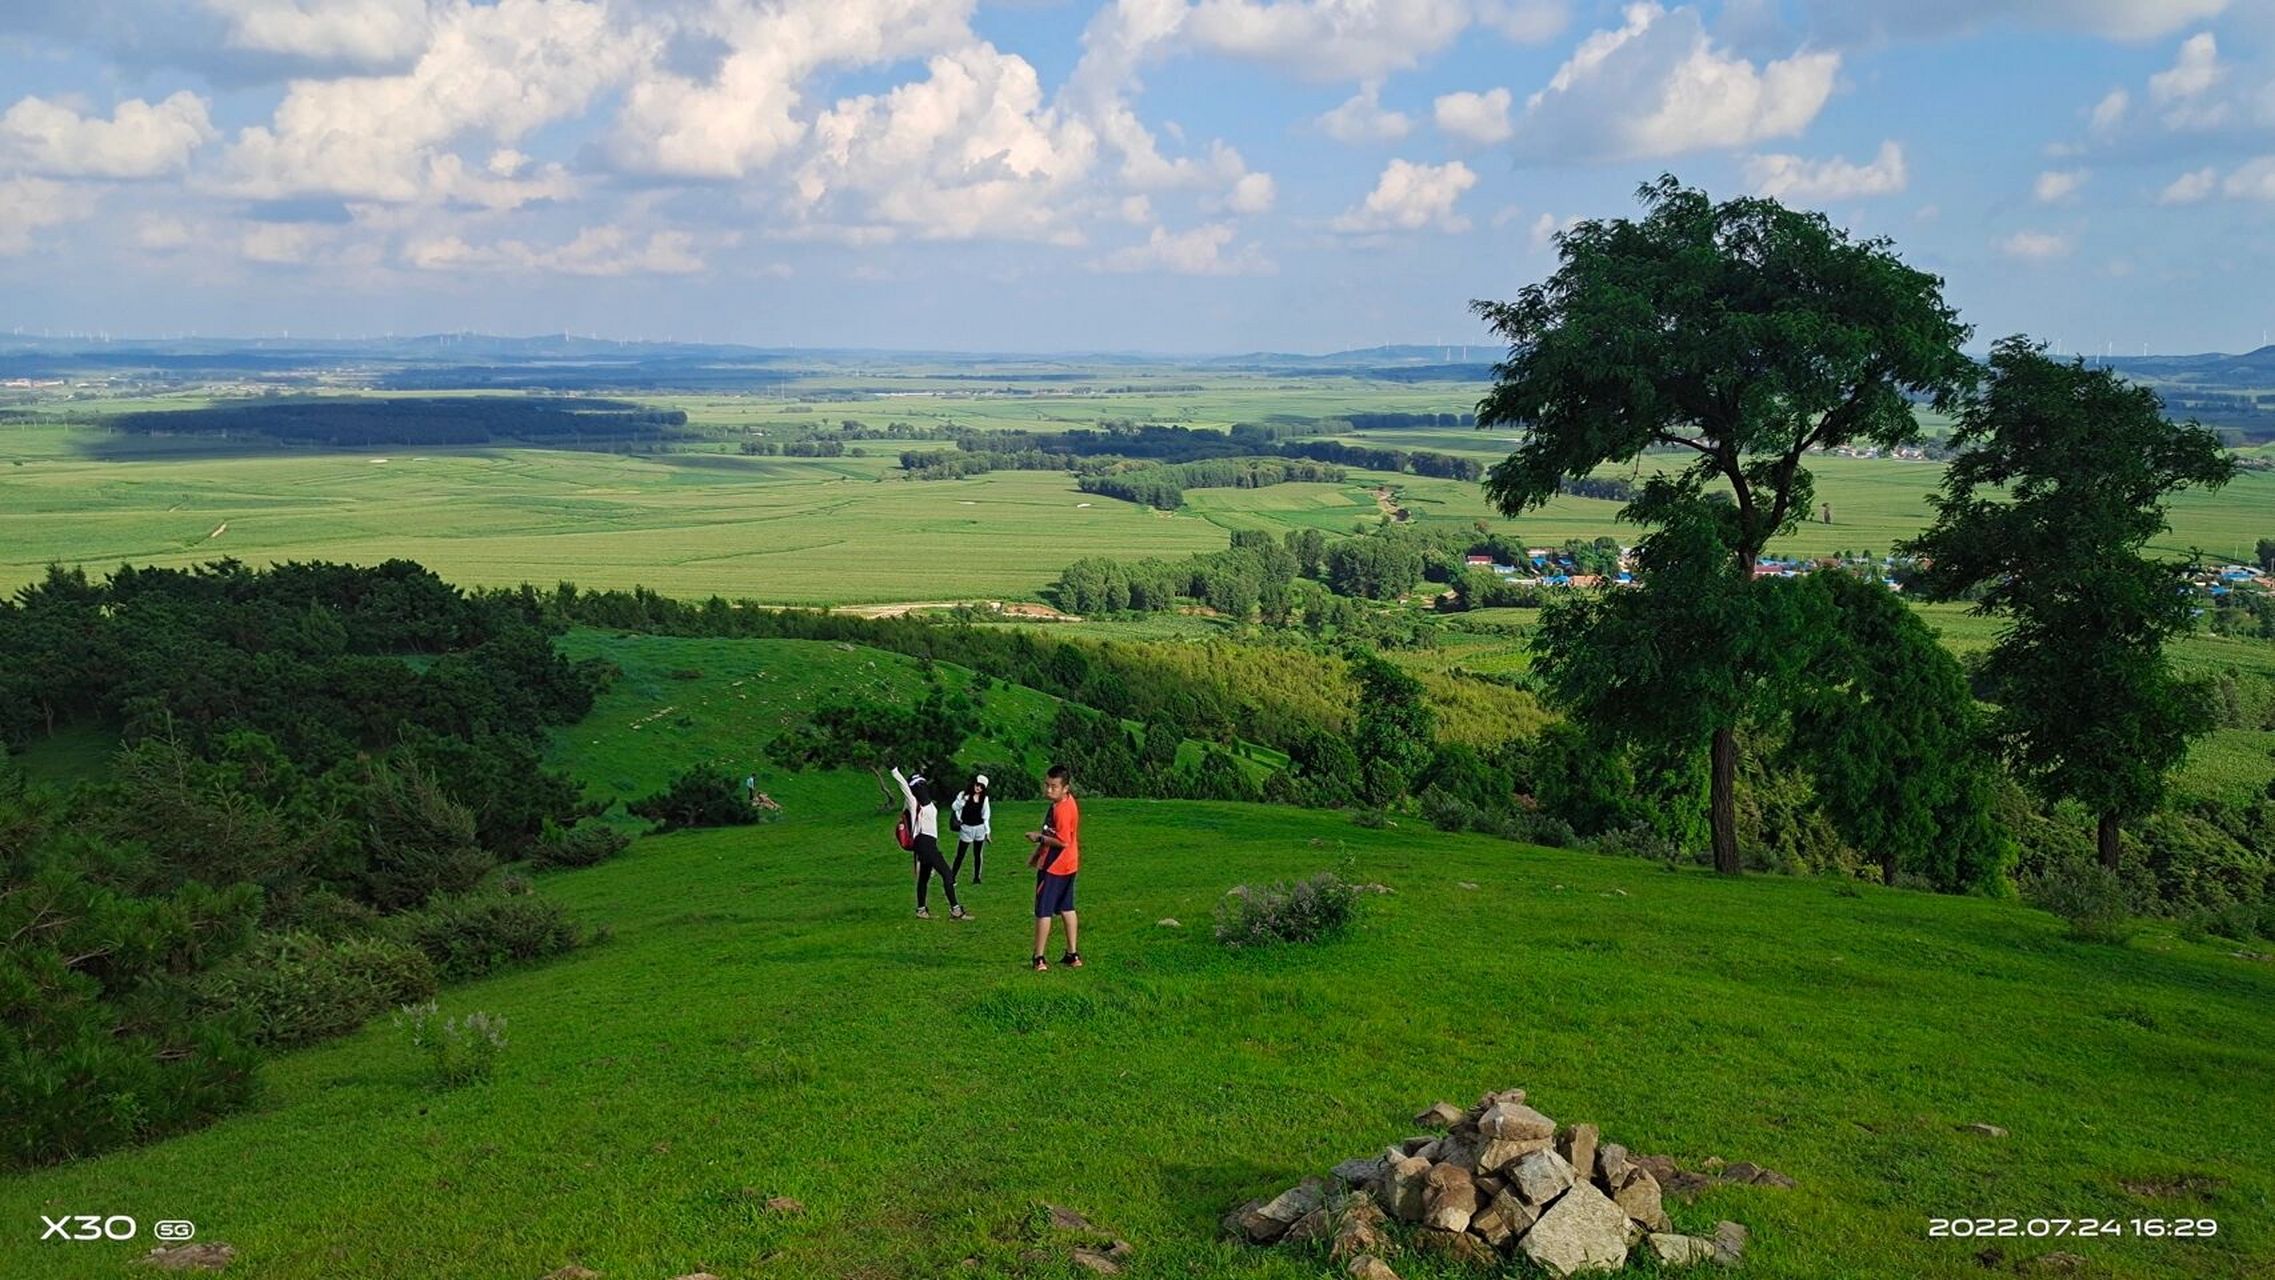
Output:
[[1054, 895]]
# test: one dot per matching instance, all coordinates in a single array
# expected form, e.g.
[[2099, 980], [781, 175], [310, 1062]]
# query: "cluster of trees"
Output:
[[1401, 421], [317, 762], [348, 422], [1421, 462], [793, 448], [937, 464], [2059, 482], [1164, 486]]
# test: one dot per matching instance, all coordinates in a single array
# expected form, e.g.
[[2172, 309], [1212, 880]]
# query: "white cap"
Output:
[[982, 779]]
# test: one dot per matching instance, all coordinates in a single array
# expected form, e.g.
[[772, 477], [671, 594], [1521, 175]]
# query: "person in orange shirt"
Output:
[[1058, 855]]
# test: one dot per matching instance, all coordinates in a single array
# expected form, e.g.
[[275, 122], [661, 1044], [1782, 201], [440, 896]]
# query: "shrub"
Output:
[[299, 988], [1447, 811], [583, 845], [1541, 829], [459, 1050], [1315, 909], [1372, 819], [2084, 893], [704, 796], [469, 936], [417, 841], [1638, 841]]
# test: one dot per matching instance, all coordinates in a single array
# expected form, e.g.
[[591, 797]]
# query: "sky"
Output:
[[1189, 176]]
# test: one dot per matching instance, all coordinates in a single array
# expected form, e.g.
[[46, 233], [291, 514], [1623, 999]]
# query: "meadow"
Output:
[[766, 1019]]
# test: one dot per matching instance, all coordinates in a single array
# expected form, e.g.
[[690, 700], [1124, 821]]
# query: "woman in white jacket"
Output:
[[924, 823], [970, 818]]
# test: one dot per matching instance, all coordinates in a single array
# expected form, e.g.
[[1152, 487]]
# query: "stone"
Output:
[[1449, 1198], [1315, 1225], [1269, 1221], [1359, 1172], [1541, 1177], [1369, 1267], [1454, 1246], [1464, 1149], [1680, 1251], [1400, 1191], [1360, 1232], [1488, 1186], [1674, 1181], [1413, 1146], [190, 1257], [1503, 1220], [1638, 1197], [1169, 922], [785, 1205], [1094, 1261], [1711, 1164], [1119, 1250], [1514, 1097], [1514, 1120], [1729, 1243], [1231, 1221], [1577, 1144], [1429, 1150], [1063, 1219], [1498, 1154], [1753, 1174], [1582, 1231], [1439, 1115], [1986, 1130], [1611, 1165]]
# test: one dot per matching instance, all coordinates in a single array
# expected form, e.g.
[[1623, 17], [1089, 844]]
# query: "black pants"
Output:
[[973, 847], [928, 861]]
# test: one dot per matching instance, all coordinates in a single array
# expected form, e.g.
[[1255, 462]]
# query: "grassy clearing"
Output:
[[768, 1020]]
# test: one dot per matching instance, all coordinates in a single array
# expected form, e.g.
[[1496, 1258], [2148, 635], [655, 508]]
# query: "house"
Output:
[[1505, 570], [1477, 562], [1587, 580]]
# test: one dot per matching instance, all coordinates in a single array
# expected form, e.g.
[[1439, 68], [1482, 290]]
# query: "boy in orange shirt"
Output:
[[1058, 855]]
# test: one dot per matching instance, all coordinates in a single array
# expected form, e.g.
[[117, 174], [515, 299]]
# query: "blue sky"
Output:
[[1164, 175]]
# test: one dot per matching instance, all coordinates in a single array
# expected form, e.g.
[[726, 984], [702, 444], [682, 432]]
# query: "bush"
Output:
[[2086, 894], [1449, 812], [299, 988], [1639, 841], [583, 845], [417, 841], [1541, 829], [704, 796], [460, 1050], [470, 936], [1372, 819], [1310, 910]]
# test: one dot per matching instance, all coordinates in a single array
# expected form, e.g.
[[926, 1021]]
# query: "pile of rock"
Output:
[[1501, 1180]]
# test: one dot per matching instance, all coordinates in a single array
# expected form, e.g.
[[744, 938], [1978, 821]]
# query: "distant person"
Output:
[[750, 790], [970, 817], [924, 824], [1057, 856]]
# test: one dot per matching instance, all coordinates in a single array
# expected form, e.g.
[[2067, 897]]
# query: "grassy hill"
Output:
[[769, 1020]]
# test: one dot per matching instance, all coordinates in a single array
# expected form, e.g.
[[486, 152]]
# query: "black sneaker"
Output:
[[1072, 959]]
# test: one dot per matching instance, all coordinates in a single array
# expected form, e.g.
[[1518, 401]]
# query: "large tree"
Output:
[[1739, 336], [2047, 513]]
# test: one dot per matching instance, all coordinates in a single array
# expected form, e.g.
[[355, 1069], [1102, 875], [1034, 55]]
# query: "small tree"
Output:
[[1392, 736], [2059, 485], [1742, 334], [867, 732]]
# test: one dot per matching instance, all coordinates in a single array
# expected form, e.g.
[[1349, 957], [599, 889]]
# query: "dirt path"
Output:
[[1009, 609]]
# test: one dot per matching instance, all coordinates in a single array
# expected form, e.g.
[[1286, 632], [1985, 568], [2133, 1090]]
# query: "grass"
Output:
[[769, 1021]]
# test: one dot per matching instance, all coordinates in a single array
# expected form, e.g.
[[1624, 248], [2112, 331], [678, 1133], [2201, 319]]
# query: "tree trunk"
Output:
[[1723, 804], [1888, 866], [2108, 839]]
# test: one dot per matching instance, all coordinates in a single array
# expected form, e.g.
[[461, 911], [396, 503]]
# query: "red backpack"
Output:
[[904, 833]]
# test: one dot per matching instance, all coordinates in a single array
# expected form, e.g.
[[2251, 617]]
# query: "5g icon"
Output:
[[174, 1231]]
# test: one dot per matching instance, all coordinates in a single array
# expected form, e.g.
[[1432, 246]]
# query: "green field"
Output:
[[767, 1020]]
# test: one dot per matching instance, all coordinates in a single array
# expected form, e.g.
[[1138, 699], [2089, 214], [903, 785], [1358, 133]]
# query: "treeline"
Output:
[[1124, 440], [320, 768], [1164, 486], [793, 448], [1408, 421], [350, 422], [1421, 462]]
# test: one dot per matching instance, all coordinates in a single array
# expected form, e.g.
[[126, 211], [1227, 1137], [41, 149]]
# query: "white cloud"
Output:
[[2193, 73], [1361, 119], [2058, 184], [358, 32], [2109, 111], [31, 205], [1479, 117], [161, 233], [1328, 39], [1548, 226], [284, 243], [1198, 252], [1787, 177], [2189, 188], [2253, 180], [140, 140], [595, 251], [1412, 197], [1659, 86], [1254, 193], [1526, 21], [1923, 19], [2035, 245]]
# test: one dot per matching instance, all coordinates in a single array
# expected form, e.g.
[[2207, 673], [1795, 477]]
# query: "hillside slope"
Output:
[[768, 1020]]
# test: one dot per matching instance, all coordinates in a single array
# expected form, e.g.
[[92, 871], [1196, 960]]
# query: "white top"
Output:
[[923, 820]]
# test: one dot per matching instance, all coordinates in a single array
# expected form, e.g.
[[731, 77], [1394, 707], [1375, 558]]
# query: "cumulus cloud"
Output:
[[140, 140], [2253, 180], [1361, 119], [1253, 193], [31, 205], [1927, 19], [2035, 245], [1787, 177], [1328, 39], [1659, 86], [2191, 187], [2193, 73], [355, 32], [2058, 184], [1548, 226], [594, 251], [1198, 252], [1526, 21], [1478, 117], [1412, 197], [2108, 112]]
